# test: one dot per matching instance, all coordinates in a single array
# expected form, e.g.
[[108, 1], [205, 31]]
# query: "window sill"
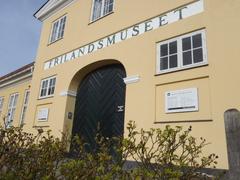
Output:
[[43, 120], [181, 69], [45, 97], [41, 126], [50, 43], [93, 21]]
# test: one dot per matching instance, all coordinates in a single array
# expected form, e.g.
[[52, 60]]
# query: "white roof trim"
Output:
[[17, 74], [16, 80], [51, 7]]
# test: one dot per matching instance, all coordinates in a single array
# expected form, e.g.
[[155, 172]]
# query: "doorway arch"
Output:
[[100, 103]]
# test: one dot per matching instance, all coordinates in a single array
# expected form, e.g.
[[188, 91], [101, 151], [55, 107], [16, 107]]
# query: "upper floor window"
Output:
[[58, 29], [1, 104], [101, 8], [12, 108], [182, 52], [47, 87], [24, 108]]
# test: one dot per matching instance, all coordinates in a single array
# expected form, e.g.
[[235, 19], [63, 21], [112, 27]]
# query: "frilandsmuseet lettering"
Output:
[[136, 30]]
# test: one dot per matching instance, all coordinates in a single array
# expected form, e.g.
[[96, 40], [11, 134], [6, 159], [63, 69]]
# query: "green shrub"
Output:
[[170, 153]]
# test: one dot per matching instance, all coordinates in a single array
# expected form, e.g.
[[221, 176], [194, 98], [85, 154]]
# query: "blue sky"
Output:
[[19, 33]]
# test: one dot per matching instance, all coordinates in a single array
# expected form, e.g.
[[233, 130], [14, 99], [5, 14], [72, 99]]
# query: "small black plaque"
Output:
[[70, 115]]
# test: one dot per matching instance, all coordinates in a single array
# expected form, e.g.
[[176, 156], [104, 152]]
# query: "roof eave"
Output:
[[50, 7]]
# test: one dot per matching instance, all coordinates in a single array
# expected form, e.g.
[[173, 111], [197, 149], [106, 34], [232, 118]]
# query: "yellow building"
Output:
[[14, 96], [155, 62]]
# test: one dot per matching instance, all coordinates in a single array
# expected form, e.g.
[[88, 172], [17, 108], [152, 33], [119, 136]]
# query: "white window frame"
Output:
[[57, 30], [47, 87], [12, 106], [24, 108], [1, 104], [102, 10], [180, 65]]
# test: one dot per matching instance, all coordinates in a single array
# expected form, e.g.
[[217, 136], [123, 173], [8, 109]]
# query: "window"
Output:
[[1, 104], [47, 87], [101, 8], [24, 109], [12, 108], [182, 52], [58, 29]]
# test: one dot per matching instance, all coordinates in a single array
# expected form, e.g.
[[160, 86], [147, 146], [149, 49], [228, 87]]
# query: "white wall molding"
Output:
[[51, 7], [17, 75], [68, 93], [14, 81], [131, 79]]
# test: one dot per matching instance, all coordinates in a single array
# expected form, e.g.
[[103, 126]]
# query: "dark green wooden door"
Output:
[[100, 104]]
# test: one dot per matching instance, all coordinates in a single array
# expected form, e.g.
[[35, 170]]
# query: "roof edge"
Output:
[[17, 71], [40, 8], [51, 7]]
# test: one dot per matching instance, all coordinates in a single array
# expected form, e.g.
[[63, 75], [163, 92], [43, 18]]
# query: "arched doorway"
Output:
[[100, 104]]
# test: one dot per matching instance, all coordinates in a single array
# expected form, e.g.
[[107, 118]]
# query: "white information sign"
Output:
[[43, 114], [184, 100]]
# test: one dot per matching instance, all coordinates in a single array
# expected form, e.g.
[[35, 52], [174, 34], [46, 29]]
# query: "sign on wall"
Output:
[[43, 114], [184, 100], [133, 31]]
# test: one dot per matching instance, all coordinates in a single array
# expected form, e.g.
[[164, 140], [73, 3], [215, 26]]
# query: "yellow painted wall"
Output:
[[218, 89], [5, 92]]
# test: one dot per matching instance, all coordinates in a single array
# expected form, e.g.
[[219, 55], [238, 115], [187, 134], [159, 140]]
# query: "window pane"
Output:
[[173, 61], [11, 101], [44, 88], [12, 114], [52, 90], [197, 40], [51, 86], [97, 9], [108, 6], [49, 91], [44, 84], [54, 32], [187, 58], [186, 43], [43, 92], [52, 82], [9, 113], [197, 55], [15, 100], [173, 47], [1, 103], [61, 28], [26, 97], [164, 50], [23, 115], [164, 63]]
